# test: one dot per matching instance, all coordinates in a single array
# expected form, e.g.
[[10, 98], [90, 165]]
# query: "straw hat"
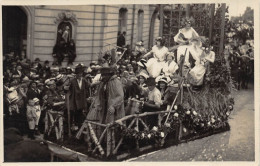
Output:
[[143, 75], [162, 78], [59, 77], [36, 100], [49, 82]]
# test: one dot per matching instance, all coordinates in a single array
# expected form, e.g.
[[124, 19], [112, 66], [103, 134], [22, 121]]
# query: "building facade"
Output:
[[92, 27]]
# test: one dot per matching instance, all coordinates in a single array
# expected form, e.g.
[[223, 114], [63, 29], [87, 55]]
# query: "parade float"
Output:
[[191, 115]]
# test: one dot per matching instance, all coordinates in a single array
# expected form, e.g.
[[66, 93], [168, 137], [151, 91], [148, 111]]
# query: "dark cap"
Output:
[[79, 69], [150, 81], [107, 70]]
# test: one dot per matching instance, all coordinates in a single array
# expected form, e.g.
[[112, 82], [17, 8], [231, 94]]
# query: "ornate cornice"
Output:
[[66, 16]]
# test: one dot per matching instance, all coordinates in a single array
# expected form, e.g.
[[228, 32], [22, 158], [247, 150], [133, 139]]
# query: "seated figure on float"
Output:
[[155, 64], [197, 73], [188, 43], [170, 67], [162, 86]]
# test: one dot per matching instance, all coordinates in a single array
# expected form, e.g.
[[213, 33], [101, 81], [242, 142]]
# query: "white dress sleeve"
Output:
[[177, 39], [194, 33], [211, 57]]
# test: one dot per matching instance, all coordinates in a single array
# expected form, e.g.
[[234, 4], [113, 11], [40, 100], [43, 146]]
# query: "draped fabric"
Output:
[[110, 94], [170, 68]]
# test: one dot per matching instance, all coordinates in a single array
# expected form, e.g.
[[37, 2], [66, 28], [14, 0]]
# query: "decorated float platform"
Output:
[[193, 114]]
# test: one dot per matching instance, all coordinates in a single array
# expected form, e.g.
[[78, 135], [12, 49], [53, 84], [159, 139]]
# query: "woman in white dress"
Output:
[[170, 66], [188, 40], [155, 64], [198, 72]]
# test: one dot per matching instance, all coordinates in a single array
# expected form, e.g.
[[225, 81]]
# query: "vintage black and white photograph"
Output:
[[129, 82]]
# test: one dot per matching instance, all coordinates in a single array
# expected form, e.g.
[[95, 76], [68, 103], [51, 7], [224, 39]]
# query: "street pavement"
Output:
[[238, 144]]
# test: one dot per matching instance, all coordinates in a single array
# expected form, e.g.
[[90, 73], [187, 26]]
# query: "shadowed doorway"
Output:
[[14, 30]]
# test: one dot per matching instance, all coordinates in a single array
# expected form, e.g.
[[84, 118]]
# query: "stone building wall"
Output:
[[94, 28]]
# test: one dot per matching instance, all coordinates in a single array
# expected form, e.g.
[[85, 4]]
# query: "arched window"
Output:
[[151, 31], [122, 21], [140, 24], [67, 19]]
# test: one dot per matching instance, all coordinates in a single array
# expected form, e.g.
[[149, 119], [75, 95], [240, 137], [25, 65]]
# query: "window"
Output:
[[122, 21], [140, 24]]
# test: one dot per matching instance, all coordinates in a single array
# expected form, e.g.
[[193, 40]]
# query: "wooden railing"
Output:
[[110, 145]]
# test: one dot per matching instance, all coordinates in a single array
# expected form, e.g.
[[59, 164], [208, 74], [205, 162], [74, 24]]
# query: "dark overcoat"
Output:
[[77, 97]]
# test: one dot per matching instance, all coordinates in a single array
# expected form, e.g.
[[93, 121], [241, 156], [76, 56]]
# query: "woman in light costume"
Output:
[[189, 43], [155, 64]]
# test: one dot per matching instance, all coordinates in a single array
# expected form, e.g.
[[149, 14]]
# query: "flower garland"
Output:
[[190, 118]]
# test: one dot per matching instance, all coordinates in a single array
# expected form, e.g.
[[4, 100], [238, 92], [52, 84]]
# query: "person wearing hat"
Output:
[[37, 64], [18, 71], [163, 88], [108, 105], [33, 91], [33, 113], [140, 47], [141, 82], [141, 67], [153, 102], [79, 92], [159, 52], [37, 109], [51, 98]]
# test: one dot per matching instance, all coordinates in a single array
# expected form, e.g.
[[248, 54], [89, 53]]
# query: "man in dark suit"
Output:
[[78, 90], [121, 39]]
